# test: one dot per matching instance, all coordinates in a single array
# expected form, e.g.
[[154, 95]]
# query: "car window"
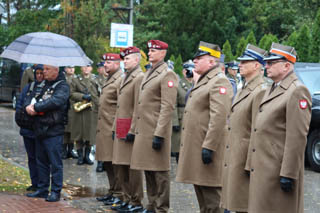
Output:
[[310, 77]]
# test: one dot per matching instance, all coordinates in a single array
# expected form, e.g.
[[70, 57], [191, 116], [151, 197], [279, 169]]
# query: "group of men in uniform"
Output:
[[242, 153]]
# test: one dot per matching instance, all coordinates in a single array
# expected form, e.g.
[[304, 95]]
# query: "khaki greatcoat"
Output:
[[277, 148], [183, 87], [68, 128], [106, 115], [84, 122], [128, 95], [235, 181], [157, 97], [204, 126]]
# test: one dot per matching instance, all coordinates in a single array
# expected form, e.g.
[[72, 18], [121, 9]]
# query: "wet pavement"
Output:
[[82, 184]]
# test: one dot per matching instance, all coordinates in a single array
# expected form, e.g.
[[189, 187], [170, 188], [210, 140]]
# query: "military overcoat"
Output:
[[235, 181], [128, 95], [71, 112], [183, 87], [106, 115], [84, 122], [157, 97], [204, 126], [277, 148]]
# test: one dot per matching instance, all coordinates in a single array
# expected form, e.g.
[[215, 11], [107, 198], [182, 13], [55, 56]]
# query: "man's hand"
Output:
[[286, 184], [207, 155], [130, 137], [157, 142], [86, 97], [30, 110]]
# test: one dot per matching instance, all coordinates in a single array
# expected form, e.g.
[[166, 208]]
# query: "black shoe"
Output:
[[119, 206], [64, 152], [38, 193], [104, 198], [148, 211], [113, 200], [131, 208], [53, 197], [80, 157], [32, 188], [71, 153], [87, 160], [99, 166]]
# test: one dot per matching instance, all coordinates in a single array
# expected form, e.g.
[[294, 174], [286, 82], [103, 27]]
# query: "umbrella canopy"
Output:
[[46, 48]]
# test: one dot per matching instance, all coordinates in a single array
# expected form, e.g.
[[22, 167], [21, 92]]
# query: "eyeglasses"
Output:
[[270, 63]]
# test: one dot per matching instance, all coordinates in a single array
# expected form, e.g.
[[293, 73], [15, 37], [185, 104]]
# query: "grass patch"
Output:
[[13, 179]]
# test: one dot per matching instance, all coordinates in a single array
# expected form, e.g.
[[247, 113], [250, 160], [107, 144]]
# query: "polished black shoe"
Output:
[[71, 152], [99, 166], [135, 209], [119, 206], [112, 201], [39, 194], [104, 198], [53, 197], [148, 211], [87, 159], [80, 157], [32, 188]]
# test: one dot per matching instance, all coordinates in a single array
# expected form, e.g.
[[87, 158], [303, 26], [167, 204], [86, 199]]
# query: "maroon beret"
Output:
[[128, 51], [157, 44], [111, 56]]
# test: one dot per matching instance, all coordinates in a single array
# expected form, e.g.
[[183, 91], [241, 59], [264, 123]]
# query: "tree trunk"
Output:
[[8, 12]]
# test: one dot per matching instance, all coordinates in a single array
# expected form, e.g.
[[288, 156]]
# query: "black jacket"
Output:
[[52, 106]]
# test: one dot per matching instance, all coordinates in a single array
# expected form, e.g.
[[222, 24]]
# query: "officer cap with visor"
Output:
[[206, 48], [279, 51], [253, 53]]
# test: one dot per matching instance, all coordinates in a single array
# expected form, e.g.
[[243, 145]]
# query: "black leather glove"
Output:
[[286, 184], [176, 128], [207, 155], [130, 137], [113, 135], [157, 142], [86, 97]]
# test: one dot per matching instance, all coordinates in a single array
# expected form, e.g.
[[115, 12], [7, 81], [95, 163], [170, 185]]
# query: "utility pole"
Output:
[[131, 12], [128, 9]]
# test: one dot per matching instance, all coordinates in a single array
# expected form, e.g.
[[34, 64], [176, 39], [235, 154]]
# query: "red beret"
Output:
[[111, 56], [128, 51], [157, 44]]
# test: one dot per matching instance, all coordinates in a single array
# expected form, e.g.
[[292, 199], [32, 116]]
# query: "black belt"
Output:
[[181, 105]]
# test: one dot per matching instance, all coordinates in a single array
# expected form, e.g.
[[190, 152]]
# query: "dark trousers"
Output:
[[49, 160], [131, 182], [30, 145], [208, 199], [158, 190], [113, 178]]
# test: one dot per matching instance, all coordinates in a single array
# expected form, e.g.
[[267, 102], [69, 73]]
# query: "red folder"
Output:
[[123, 127]]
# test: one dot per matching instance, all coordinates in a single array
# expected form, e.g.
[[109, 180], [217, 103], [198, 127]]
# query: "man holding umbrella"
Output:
[[50, 111]]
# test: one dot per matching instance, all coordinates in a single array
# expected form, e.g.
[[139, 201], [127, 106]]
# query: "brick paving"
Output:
[[19, 203]]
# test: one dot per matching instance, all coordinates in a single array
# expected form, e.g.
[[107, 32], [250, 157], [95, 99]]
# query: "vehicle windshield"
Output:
[[310, 76]]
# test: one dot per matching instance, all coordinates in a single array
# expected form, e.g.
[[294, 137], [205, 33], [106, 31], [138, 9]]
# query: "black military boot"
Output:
[[71, 154], [80, 157], [99, 166], [64, 152], [87, 160]]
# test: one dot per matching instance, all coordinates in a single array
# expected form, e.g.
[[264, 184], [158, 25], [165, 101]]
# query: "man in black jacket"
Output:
[[50, 112]]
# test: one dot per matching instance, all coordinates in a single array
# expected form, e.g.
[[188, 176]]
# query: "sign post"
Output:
[[121, 35]]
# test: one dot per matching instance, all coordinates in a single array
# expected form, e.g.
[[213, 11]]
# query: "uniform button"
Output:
[[253, 150], [260, 110], [229, 128], [99, 118], [190, 96], [231, 110], [117, 106], [255, 129], [139, 102], [227, 146], [138, 118], [185, 112], [137, 133], [225, 165], [182, 128], [98, 130], [252, 170]]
